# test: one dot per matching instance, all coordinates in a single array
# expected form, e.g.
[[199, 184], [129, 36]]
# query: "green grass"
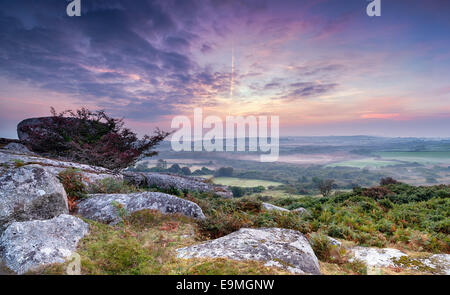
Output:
[[242, 182], [362, 163], [420, 157]]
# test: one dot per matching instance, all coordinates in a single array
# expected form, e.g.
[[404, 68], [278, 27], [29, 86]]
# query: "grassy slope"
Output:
[[408, 218]]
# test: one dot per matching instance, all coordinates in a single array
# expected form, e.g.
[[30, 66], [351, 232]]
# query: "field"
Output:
[[242, 182], [419, 157], [363, 163]]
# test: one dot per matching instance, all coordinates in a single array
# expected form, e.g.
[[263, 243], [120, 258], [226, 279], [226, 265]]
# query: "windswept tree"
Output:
[[89, 137], [325, 186]]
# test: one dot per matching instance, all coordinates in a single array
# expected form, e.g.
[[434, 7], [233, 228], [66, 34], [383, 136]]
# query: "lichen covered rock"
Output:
[[376, 257], [28, 245], [100, 207], [91, 174], [178, 182], [283, 248], [300, 211], [271, 207], [439, 262], [30, 193], [17, 148]]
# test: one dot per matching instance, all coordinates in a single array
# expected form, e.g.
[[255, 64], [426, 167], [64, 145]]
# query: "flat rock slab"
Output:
[[376, 257], [30, 193], [170, 181], [91, 174], [301, 211], [271, 207], [100, 207], [18, 148], [173, 181], [439, 262], [28, 245], [283, 248]]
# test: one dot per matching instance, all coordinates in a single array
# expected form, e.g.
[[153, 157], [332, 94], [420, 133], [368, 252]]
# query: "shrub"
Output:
[[324, 249], [186, 171], [376, 193], [19, 163], [224, 171], [388, 180], [90, 137], [72, 180], [237, 191], [112, 186], [249, 206], [220, 224]]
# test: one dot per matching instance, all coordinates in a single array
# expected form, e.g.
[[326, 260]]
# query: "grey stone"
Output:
[[135, 178], [166, 181], [99, 207], [225, 194], [28, 245], [271, 207], [29, 193], [171, 181], [439, 262], [284, 248], [375, 257], [35, 124], [301, 211], [18, 148], [335, 242], [91, 174]]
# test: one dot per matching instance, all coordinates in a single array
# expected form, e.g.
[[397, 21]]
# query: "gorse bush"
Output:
[[89, 137]]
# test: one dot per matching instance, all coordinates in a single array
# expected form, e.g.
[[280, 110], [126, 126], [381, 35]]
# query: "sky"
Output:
[[323, 66]]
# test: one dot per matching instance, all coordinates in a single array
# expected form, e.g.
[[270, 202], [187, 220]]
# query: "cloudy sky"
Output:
[[323, 66]]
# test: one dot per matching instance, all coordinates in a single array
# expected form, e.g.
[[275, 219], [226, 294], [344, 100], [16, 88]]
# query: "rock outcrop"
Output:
[[271, 207], [91, 174], [28, 245], [439, 262], [376, 257], [30, 193], [283, 248], [100, 207], [335, 242], [300, 211], [170, 181], [18, 148]]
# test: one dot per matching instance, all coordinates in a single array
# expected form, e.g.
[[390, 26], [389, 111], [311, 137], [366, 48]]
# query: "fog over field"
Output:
[[423, 161]]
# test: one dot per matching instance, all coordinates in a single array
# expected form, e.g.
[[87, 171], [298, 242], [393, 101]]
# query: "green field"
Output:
[[242, 182], [362, 163], [419, 157]]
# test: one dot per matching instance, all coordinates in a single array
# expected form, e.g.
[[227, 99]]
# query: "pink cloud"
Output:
[[379, 116]]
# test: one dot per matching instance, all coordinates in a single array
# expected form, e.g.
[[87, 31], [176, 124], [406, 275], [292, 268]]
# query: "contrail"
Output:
[[232, 72]]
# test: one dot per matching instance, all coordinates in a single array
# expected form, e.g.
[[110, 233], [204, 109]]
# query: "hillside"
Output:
[[152, 223]]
